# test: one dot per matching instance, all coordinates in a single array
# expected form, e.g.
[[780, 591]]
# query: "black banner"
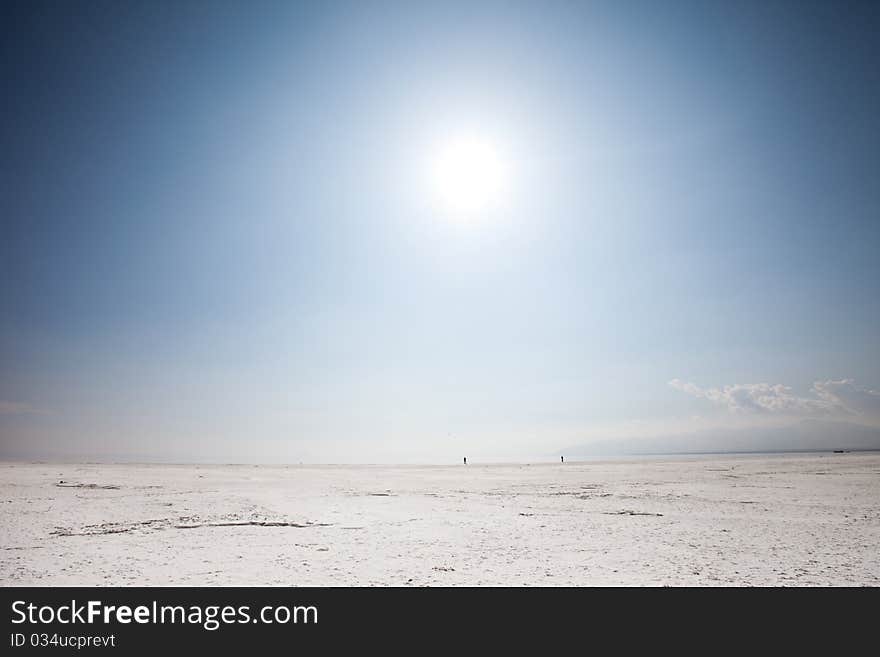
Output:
[[148, 620]]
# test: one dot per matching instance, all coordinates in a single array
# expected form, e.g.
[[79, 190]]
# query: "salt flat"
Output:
[[733, 520]]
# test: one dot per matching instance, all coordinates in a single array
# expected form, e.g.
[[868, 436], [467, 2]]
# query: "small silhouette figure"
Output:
[[465, 460], [562, 459]]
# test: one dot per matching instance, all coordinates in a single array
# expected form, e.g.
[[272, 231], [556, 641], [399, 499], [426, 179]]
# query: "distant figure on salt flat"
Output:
[[562, 459], [465, 460]]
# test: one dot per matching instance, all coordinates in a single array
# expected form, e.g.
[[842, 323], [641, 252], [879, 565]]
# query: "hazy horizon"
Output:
[[398, 232]]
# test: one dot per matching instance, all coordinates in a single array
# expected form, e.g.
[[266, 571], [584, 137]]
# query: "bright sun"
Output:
[[468, 175]]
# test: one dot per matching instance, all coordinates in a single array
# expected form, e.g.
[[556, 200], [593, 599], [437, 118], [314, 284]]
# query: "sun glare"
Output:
[[468, 176]]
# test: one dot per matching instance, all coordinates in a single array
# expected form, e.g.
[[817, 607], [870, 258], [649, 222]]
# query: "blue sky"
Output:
[[220, 244]]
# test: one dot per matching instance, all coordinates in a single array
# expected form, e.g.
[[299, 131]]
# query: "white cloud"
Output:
[[17, 408], [845, 394], [829, 398]]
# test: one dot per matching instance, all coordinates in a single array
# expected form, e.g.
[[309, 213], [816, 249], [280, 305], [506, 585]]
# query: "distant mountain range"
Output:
[[807, 435]]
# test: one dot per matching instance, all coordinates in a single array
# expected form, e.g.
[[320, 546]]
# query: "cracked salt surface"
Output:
[[722, 520]]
